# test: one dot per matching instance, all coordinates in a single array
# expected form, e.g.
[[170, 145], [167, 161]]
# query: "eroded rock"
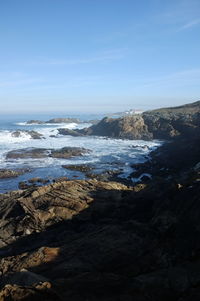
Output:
[[12, 173]]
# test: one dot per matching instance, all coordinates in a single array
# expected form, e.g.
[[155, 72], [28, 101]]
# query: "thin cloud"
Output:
[[186, 77], [15, 79], [105, 56], [190, 25]]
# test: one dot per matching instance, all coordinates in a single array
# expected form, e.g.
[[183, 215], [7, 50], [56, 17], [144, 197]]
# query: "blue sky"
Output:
[[98, 55]]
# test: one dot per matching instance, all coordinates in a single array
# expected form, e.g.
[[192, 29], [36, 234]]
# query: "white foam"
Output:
[[136, 180], [71, 125], [21, 123], [7, 137], [105, 152]]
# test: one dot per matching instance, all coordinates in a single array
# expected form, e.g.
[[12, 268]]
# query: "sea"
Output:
[[106, 154]]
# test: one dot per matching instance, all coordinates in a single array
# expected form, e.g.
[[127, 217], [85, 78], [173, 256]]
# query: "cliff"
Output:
[[157, 124]]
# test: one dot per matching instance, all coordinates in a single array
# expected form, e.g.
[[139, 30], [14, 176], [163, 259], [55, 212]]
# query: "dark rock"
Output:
[[23, 185], [93, 121], [78, 167], [60, 179], [35, 122], [38, 180], [63, 120], [37, 153], [38, 292], [73, 133], [24, 153], [68, 152]]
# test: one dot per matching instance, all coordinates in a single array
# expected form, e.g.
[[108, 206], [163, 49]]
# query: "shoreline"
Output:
[[104, 240]]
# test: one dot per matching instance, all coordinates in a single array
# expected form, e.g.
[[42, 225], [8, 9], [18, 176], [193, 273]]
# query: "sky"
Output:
[[98, 55]]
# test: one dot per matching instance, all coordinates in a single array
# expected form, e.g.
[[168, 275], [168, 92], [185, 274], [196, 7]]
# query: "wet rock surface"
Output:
[[10, 173], [79, 167], [68, 152], [74, 133], [33, 182], [36, 153]]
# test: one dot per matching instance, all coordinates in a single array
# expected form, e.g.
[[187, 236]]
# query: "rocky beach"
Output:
[[106, 238]]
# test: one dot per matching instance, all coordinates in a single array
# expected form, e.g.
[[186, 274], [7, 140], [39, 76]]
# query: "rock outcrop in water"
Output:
[[54, 120], [37, 153], [32, 134], [34, 121], [63, 120], [70, 132], [9, 173]]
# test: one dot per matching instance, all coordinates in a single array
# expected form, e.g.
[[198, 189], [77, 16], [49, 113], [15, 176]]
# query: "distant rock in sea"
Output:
[[54, 120], [70, 132], [63, 120], [35, 122]]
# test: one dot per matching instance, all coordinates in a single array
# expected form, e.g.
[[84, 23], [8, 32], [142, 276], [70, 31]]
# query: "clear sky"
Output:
[[98, 55]]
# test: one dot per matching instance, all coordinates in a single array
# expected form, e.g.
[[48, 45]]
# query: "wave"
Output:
[[85, 124], [21, 123], [9, 137]]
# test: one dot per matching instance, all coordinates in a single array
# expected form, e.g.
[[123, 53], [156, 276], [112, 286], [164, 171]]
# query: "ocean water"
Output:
[[106, 154]]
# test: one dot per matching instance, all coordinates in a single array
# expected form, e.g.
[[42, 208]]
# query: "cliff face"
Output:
[[130, 127], [172, 122], [157, 124]]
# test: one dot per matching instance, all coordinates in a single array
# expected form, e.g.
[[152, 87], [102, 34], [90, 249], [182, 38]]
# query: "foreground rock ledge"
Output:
[[92, 240]]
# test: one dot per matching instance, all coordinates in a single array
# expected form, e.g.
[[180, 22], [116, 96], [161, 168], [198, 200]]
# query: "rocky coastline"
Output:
[[105, 240], [157, 124]]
